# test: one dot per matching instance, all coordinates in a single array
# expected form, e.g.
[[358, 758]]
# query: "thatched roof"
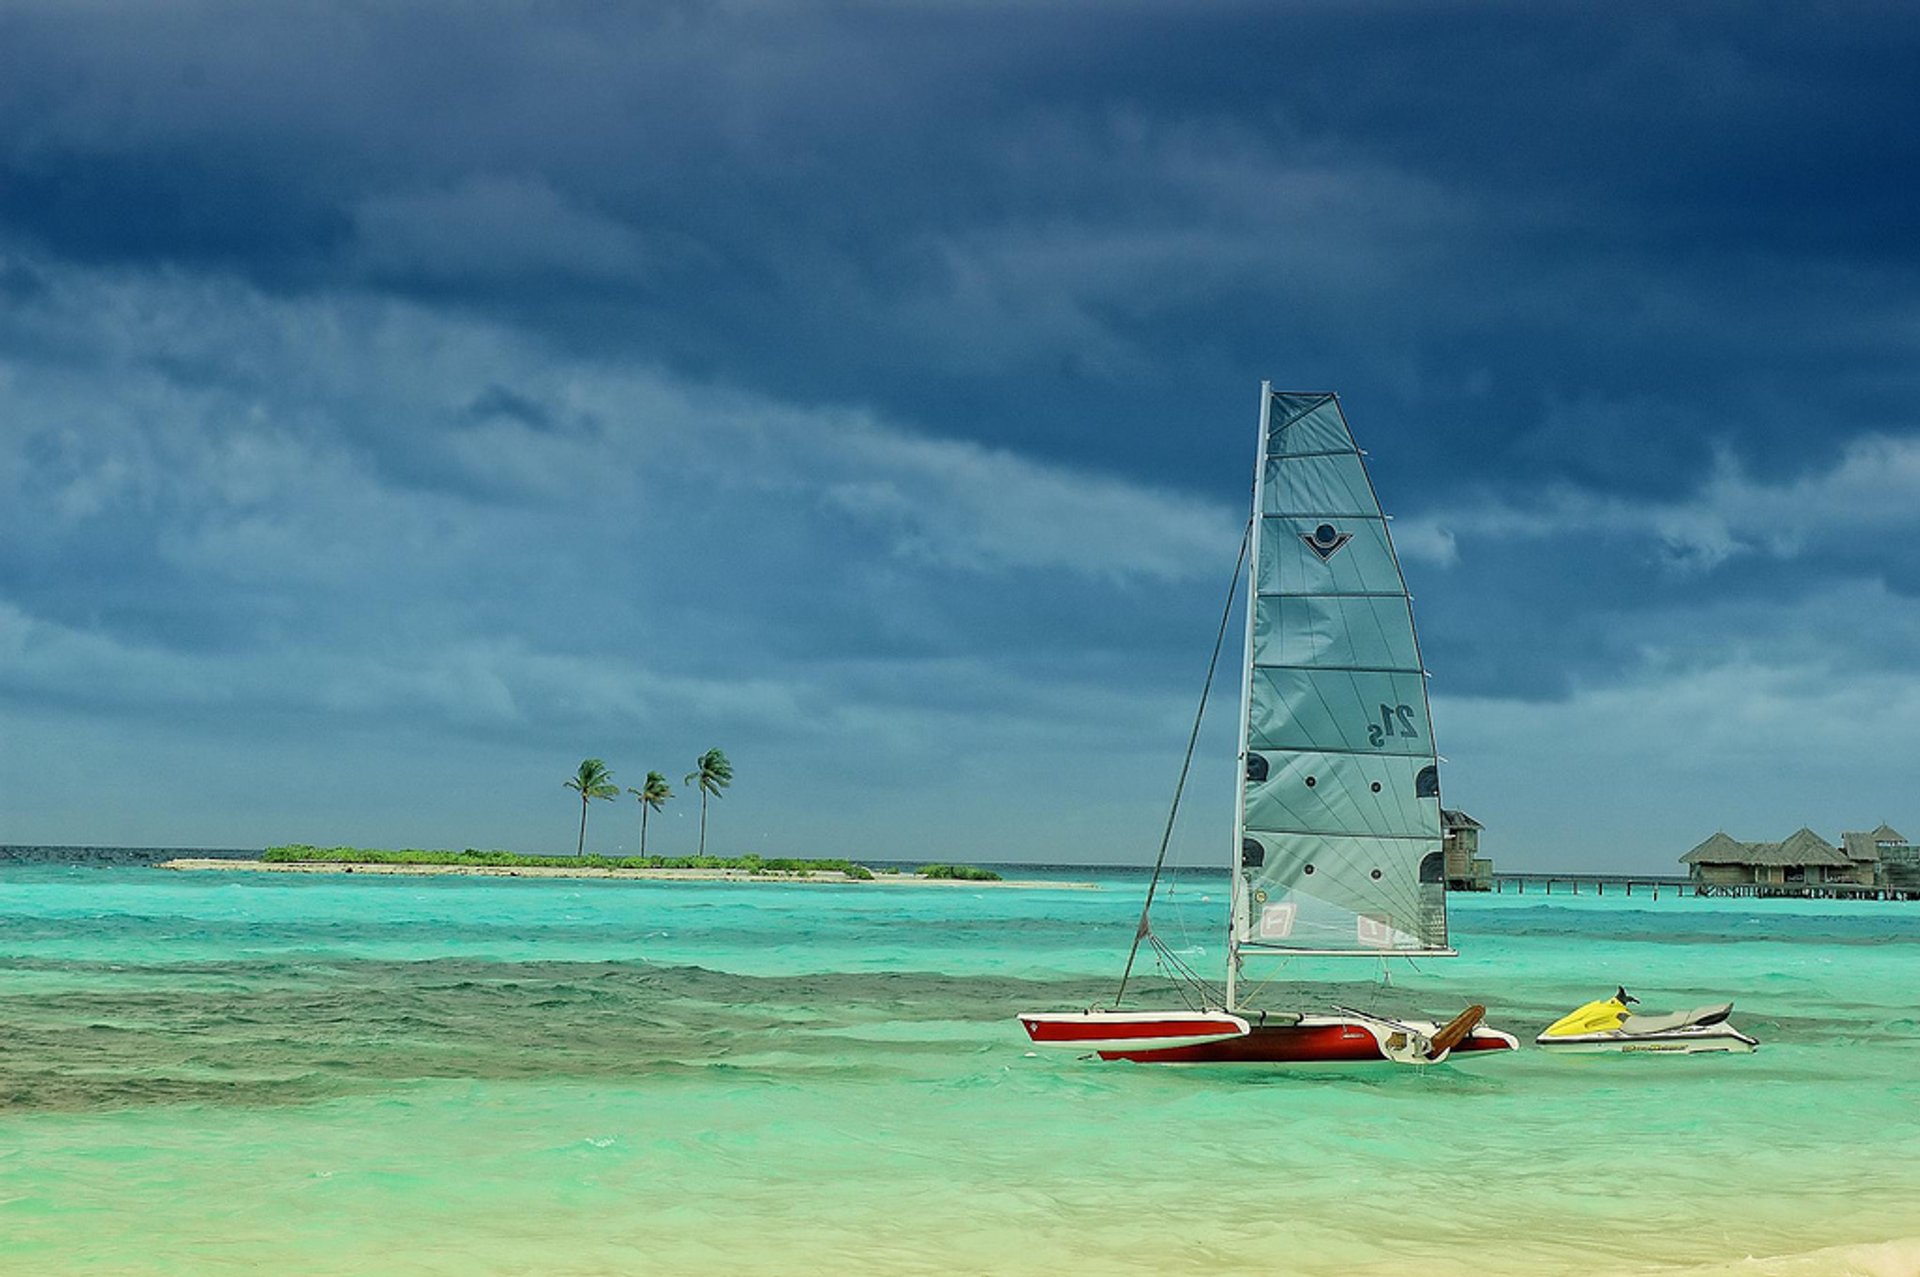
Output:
[[1859, 847], [1453, 819], [1866, 847], [1808, 848], [1804, 847], [1717, 850]]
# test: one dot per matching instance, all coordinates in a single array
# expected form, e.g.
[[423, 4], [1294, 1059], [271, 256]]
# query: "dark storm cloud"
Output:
[[439, 349], [1032, 226]]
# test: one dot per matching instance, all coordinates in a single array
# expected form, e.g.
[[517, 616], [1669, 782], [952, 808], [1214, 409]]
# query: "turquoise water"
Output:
[[215, 1073]]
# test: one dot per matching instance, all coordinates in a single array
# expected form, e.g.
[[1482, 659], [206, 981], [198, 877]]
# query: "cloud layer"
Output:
[[871, 392], [380, 515]]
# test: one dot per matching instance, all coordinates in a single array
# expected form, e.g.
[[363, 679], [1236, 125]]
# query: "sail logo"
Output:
[[1276, 921], [1326, 540], [1372, 931], [1378, 933]]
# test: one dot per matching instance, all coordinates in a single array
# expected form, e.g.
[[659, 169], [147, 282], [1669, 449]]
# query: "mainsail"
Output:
[[1339, 810]]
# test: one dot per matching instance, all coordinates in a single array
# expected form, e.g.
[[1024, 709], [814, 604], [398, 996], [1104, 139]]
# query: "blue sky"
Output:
[[399, 402]]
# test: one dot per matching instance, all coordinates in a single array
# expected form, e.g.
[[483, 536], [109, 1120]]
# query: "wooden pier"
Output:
[[1573, 884], [1803, 891], [1652, 885]]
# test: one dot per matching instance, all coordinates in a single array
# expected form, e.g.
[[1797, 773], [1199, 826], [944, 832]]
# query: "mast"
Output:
[[1236, 880]]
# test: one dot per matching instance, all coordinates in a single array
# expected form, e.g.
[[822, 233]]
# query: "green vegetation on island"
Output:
[[712, 774], [301, 853], [959, 873]]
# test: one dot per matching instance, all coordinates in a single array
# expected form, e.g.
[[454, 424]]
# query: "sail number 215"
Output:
[[1395, 720]]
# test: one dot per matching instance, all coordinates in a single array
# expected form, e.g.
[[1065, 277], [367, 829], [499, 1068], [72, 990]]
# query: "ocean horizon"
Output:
[[249, 1073]]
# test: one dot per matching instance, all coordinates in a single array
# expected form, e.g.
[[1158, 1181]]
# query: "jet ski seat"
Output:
[[1640, 1025]]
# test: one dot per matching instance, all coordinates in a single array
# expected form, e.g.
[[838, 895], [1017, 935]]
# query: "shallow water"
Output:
[[213, 1073]]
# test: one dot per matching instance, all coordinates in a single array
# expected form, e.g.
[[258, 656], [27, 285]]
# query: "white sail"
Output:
[[1339, 791]]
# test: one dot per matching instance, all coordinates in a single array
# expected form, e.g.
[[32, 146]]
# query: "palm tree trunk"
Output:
[[703, 822], [643, 830], [582, 845]]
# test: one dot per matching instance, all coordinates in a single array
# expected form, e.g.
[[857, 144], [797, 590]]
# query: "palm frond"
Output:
[[654, 791], [713, 772], [592, 780]]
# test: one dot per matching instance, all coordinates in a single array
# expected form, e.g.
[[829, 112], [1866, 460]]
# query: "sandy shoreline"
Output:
[[650, 875]]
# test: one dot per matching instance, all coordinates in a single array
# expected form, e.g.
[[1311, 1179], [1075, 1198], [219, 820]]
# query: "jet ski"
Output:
[[1609, 1025]]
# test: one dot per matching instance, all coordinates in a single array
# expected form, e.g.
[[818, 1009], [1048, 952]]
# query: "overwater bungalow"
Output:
[[1460, 839], [1883, 855], [1861, 859], [1803, 857], [1895, 861]]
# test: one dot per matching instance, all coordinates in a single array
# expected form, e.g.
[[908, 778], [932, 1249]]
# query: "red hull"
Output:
[[1130, 1030], [1297, 1044]]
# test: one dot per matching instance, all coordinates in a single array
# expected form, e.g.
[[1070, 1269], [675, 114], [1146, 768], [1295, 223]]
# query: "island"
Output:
[[300, 858]]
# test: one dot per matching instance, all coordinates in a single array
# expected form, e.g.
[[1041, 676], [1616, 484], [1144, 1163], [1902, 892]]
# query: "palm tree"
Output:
[[653, 794], [593, 780], [712, 773]]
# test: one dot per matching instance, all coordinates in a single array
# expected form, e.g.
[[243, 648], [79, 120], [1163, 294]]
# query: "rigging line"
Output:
[[1180, 915], [1145, 928], [1177, 983], [1189, 981], [1258, 986], [1172, 957], [1255, 987], [1176, 973], [1183, 917]]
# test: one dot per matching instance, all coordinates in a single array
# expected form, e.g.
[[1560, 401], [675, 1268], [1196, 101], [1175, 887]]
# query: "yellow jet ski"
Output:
[[1609, 1025]]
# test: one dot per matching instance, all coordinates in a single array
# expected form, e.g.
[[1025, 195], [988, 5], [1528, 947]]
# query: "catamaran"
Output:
[[1337, 823]]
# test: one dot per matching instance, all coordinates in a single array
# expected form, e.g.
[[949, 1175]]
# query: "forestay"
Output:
[[1339, 795]]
